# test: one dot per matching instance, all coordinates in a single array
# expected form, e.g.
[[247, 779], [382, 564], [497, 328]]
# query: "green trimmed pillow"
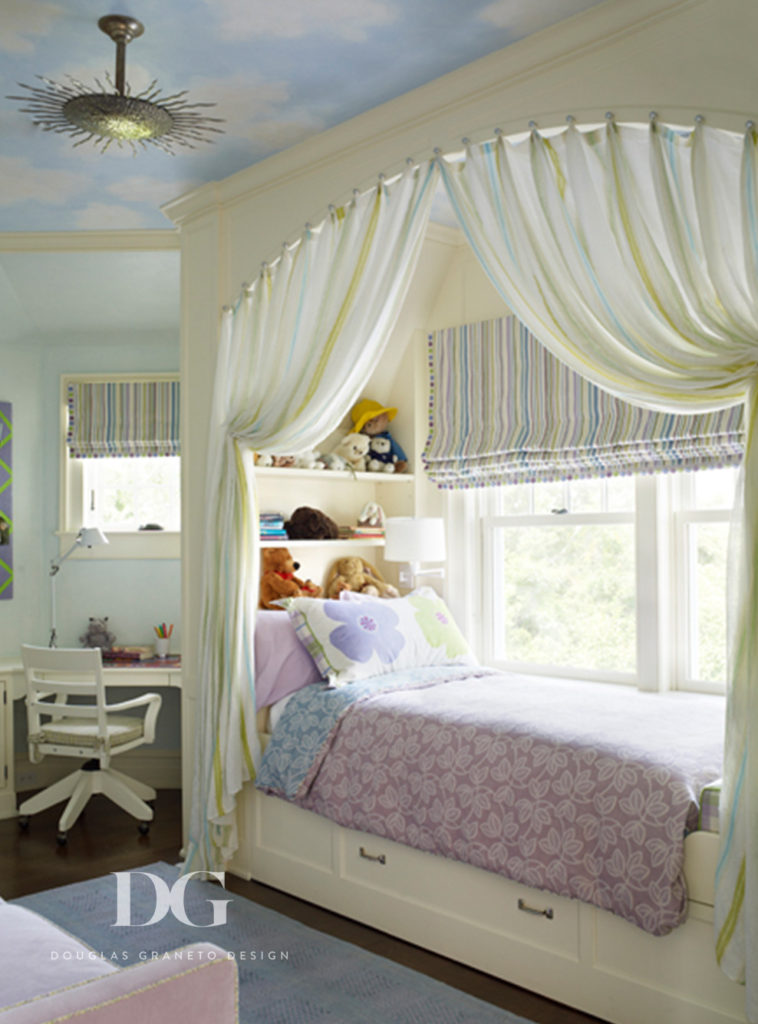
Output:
[[355, 639]]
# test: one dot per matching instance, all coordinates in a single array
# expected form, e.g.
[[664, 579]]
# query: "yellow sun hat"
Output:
[[366, 410]]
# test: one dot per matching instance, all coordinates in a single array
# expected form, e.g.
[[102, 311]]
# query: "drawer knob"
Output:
[[547, 912], [379, 858]]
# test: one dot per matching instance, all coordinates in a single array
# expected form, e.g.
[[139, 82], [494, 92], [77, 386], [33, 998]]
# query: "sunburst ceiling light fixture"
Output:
[[118, 116]]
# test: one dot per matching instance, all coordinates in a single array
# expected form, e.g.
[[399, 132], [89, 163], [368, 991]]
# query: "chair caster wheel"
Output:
[[143, 828], [62, 838]]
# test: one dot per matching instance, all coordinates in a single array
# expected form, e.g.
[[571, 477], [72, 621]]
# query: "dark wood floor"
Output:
[[105, 839]]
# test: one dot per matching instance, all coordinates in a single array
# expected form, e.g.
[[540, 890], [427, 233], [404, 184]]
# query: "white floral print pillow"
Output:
[[352, 640]]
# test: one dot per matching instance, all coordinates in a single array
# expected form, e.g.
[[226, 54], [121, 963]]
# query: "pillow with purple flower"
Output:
[[352, 640]]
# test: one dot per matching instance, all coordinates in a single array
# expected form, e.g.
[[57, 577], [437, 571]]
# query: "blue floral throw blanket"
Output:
[[302, 737]]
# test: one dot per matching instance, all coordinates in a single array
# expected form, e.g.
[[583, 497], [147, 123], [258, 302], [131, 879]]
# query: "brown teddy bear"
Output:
[[353, 573], [278, 579]]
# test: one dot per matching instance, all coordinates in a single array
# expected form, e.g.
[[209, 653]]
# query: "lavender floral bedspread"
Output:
[[580, 789]]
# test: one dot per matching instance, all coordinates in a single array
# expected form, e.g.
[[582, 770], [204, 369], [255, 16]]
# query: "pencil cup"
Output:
[[161, 646]]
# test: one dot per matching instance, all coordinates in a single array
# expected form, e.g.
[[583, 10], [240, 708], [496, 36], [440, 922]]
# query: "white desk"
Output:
[[147, 675]]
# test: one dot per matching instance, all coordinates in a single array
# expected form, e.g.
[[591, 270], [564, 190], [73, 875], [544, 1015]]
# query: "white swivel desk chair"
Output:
[[93, 729]]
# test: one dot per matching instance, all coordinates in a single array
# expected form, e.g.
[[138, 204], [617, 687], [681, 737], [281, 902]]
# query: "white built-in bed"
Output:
[[567, 802]]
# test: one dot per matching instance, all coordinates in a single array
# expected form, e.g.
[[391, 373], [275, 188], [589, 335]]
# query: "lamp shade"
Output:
[[92, 537], [408, 539]]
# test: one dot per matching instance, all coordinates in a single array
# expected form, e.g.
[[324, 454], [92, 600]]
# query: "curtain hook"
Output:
[[466, 142], [609, 115], [498, 132], [699, 119], [749, 126], [533, 125], [570, 119], [653, 116], [409, 161]]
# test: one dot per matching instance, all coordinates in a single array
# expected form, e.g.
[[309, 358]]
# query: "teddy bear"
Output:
[[353, 448], [278, 579], [311, 524], [380, 457], [356, 574], [98, 635], [369, 417]]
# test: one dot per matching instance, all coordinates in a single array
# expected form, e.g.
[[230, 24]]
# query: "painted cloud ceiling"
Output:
[[278, 70]]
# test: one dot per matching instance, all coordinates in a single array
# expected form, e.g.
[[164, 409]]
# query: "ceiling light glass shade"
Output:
[[102, 117]]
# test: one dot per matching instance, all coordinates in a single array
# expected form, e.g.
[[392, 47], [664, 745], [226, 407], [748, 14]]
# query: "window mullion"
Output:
[[654, 645]]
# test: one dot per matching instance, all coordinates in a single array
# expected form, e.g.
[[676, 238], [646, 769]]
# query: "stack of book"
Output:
[[272, 526], [362, 530], [129, 652]]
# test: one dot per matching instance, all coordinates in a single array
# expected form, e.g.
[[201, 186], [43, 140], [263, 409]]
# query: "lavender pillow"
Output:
[[351, 640], [282, 664]]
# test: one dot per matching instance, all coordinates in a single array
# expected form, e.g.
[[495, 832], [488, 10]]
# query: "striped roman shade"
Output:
[[504, 410], [122, 418]]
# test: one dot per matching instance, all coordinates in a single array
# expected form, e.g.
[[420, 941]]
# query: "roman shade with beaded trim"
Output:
[[504, 410], [122, 418]]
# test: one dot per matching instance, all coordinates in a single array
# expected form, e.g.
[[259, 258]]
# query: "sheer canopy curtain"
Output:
[[293, 356], [631, 253]]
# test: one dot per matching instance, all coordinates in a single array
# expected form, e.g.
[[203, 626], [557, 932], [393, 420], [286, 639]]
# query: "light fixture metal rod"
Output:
[[122, 30]]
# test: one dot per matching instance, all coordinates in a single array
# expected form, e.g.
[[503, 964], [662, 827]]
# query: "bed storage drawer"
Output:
[[467, 893]]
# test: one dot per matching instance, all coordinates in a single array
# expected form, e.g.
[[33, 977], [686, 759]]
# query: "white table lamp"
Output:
[[415, 540], [87, 537]]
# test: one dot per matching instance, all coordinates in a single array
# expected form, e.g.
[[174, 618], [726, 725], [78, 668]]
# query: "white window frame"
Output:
[[685, 516], [125, 544], [661, 516]]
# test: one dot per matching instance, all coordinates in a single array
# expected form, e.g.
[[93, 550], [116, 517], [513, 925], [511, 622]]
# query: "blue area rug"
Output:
[[289, 973]]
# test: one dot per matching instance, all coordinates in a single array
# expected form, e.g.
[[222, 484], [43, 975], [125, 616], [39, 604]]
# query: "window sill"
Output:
[[123, 544]]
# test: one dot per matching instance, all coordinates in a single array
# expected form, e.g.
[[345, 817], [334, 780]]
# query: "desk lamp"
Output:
[[414, 540], [87, 537]]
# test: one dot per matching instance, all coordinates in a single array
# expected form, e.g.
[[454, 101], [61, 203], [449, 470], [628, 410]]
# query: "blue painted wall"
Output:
[[134, 594]]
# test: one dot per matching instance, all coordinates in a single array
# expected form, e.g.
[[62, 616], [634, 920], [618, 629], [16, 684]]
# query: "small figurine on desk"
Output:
[[371, 418], [98, 635]]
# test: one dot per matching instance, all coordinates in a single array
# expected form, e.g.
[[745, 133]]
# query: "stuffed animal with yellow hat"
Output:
[[373, 418]]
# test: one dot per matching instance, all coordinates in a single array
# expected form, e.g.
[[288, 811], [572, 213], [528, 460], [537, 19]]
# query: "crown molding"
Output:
[[90, 241], [436, 111]]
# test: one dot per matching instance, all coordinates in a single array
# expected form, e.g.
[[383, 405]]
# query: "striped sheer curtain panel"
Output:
[[504, 410], [631, 252], [294, 354], [123, 418]]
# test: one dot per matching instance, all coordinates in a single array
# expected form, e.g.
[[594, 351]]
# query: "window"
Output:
[[124, 476], [131, 494], [620, 579]]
